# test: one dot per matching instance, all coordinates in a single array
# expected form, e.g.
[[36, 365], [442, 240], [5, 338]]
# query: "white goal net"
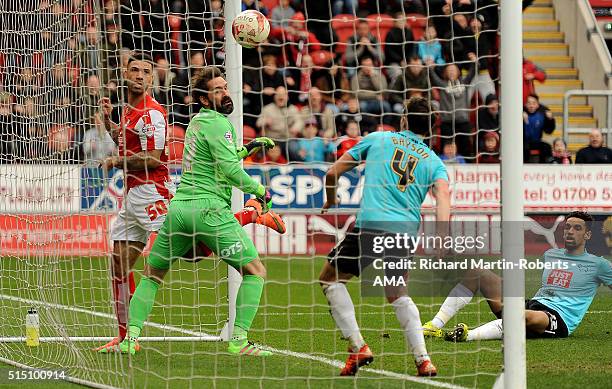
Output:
[[330, 73]]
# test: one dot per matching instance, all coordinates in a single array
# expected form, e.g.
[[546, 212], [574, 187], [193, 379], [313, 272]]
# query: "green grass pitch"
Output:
[[294, 317]]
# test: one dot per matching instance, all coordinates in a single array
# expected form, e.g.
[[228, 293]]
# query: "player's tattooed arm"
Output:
[[113, 128], [140, 161]]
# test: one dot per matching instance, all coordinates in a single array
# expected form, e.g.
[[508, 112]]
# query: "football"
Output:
[[250, 28]]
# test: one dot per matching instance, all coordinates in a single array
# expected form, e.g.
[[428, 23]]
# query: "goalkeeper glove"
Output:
[[264, 197], [254, 146]]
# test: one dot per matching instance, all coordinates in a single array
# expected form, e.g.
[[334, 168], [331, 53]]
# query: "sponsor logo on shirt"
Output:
[[561, 278], [229, 137], [148, 130]]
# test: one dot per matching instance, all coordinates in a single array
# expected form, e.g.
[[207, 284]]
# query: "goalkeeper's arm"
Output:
[[227, 160]]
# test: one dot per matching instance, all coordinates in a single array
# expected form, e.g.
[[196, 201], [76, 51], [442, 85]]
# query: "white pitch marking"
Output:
[[331, 362]]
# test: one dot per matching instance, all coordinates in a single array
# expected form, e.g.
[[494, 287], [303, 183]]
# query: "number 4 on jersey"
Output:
[[403, 168]]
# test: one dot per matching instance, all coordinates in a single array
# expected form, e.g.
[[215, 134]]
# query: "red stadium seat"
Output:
[[269, 4], [380, 24], [344, 26], [248, 134], [418, 24]]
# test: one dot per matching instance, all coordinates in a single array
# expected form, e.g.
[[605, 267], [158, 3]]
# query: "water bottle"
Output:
[[32, 328]]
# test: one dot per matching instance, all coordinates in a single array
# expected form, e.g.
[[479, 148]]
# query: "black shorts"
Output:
[[556, 326], [350, 256]]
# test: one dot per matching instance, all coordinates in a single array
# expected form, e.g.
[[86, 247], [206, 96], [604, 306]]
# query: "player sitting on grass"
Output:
[[200, 212], [142, 141], [557, 308], [399, 171]]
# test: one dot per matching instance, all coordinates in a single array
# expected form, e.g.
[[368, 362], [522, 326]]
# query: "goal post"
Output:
[[511, 80]]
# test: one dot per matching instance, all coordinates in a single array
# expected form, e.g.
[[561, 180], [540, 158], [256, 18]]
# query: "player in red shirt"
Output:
[[141, 137]]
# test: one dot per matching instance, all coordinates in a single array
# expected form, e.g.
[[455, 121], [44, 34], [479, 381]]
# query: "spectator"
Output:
[[318, 110], [97, 144], [281, 14], [280, 121], [7, 134], [361, 45], [430, 49], [370, 86], [267, 80], [414, 79], [297, 42], [89, 100], [458, 40], [399, 46], [531, 72], [595, 152], [272, 156], [345, 7], [89, 50], [560, 155], [351, 112], [111, 60], [450, 155], [481, 44], [165, 88], [257, 6], [312, 148], [490, 150], [488, 117], [346, 142], [455, 107], [537, 120]]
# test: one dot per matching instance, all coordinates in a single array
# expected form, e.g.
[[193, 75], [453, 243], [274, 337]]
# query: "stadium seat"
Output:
[[176, 139], [418, 24], [380, 24], [248, 134], [322, 57], [344, 26], [269, 4]]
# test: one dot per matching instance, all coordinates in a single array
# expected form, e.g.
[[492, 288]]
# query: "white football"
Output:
[[250, 28]]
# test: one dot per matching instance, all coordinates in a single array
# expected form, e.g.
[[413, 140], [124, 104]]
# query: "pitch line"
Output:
[[201, 335]]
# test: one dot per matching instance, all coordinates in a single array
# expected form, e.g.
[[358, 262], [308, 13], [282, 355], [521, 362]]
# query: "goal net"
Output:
[[330, 73]]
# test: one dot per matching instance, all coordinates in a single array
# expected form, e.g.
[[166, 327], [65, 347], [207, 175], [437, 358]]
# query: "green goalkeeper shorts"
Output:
[[209, 221]]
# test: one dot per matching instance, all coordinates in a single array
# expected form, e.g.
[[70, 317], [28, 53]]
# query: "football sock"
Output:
[[247, 303], [408, 316], [141, 305], [488, 331], [121, 298], [343, 312], [458, 298]]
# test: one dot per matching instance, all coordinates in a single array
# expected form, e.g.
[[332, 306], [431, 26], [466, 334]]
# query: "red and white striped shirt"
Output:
[[145, 128]]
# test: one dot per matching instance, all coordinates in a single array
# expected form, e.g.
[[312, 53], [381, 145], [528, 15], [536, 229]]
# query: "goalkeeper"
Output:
[[200, 213]]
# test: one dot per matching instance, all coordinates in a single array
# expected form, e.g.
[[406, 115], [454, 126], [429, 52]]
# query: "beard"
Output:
[[226, 107]]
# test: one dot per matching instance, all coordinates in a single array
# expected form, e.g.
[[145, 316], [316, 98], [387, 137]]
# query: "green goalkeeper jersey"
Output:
[[211, 166]]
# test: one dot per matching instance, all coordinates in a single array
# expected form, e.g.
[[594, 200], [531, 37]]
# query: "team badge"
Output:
[[229, 137]]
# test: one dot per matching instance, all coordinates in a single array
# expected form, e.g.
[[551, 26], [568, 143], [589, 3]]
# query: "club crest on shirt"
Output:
[[229, 137], [148, 130]]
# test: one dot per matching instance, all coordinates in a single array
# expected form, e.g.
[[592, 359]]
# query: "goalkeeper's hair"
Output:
[[420, 117], [140, 56], [199, 85], [588, 219]]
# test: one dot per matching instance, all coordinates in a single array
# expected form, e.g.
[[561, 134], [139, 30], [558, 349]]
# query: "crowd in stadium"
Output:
[[319, 83]]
